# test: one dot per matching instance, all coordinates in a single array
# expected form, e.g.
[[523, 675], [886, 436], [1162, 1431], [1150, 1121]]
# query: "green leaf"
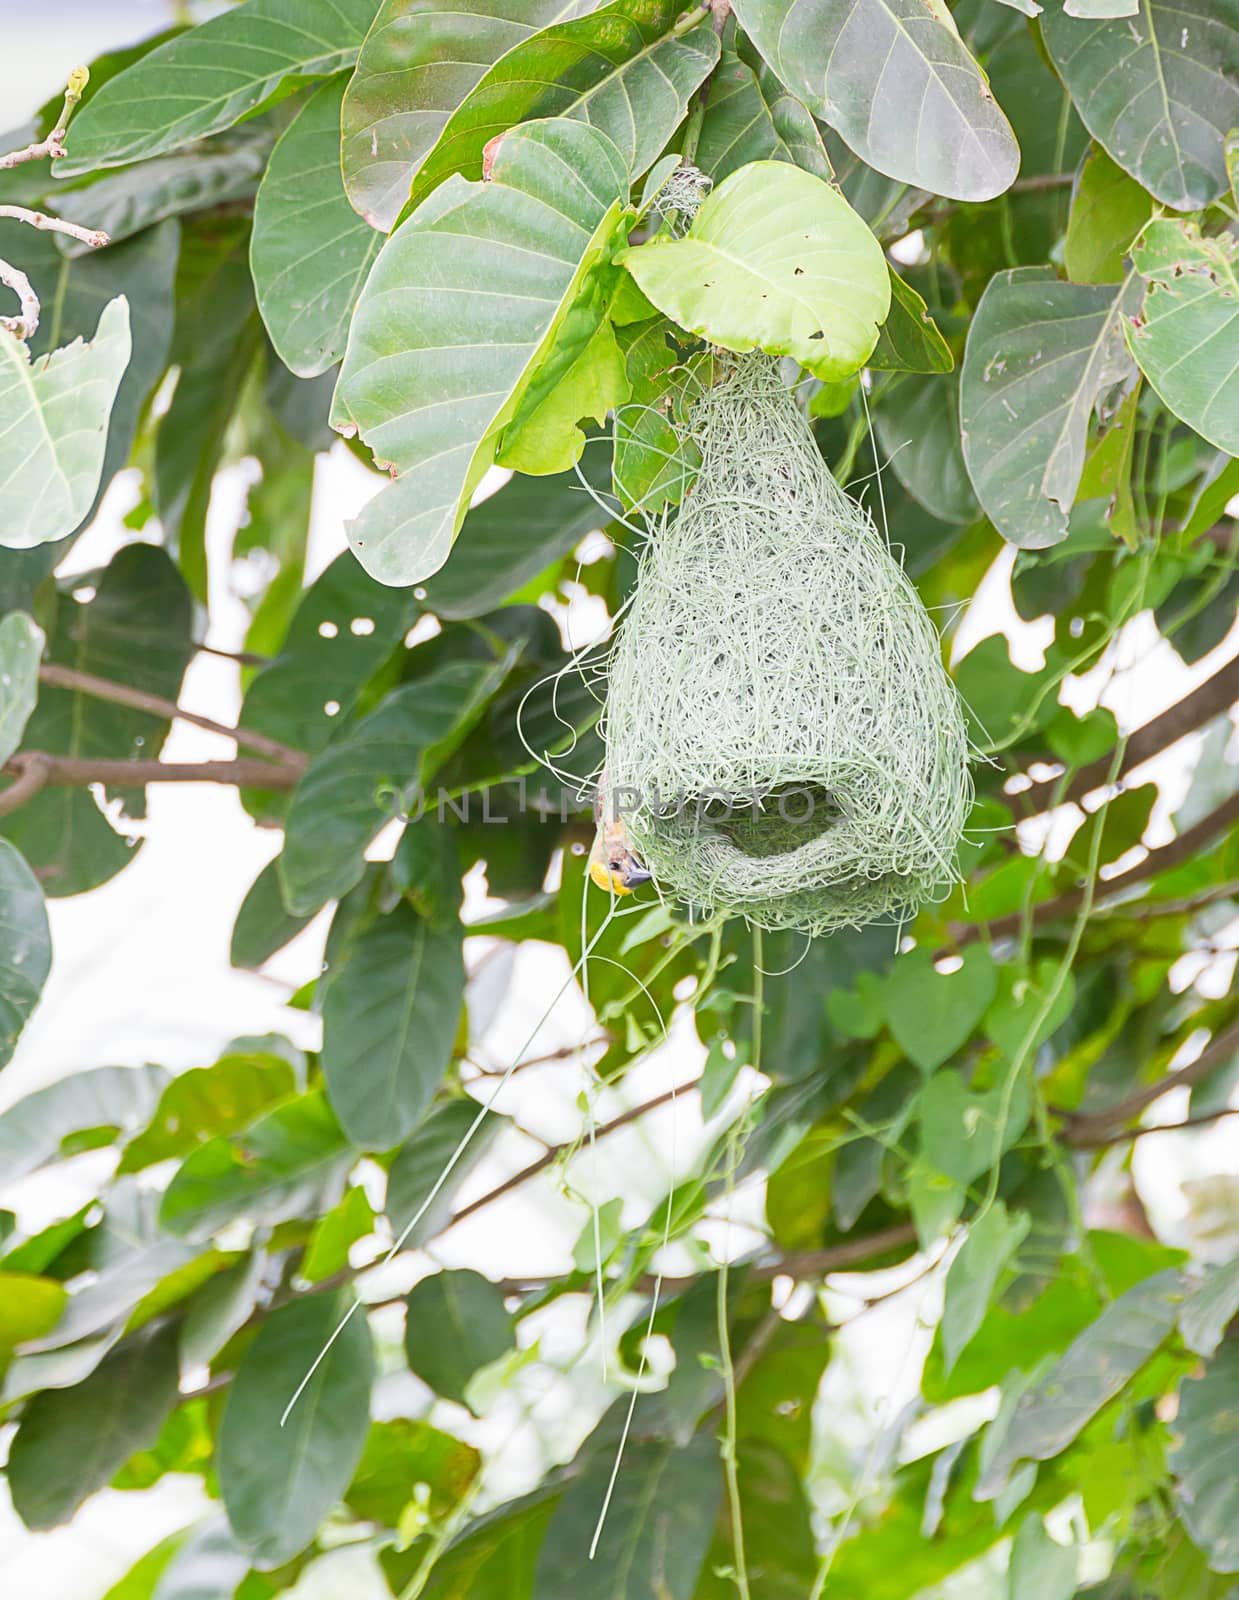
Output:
[[1099, 1365], [853, 67], [25, 950], [514, 535], [962, 1131], [1206, 1463], [402, 1460], [931, 1013], [776, 260], [389, 1021], [335, 1234], [1040, 354], [1041, 1568], [1209, 1310], [619, 69], [415, 68], [654, 462], [455, 1324], [141, 1581], [263, 925], [54, 418], [1108, 210], [71, 1442], [909, 339], [282, 1167], [752, 116], [1020, 999], [373, 773], [493, 1559], [119, 1099], [206, 1101], [344, 628], [221, 1308], [992, 1241], [21, 647], [29, 1308], [543, 437], [124, 203], [279, 1483], [420, 1161], [1185, 335], [1157, 89], [212, 76], [310, 252], [657, 1530], [917, 423], [542, 231]]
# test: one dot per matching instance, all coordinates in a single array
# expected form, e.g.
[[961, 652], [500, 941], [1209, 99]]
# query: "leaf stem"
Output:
[[54, 145]]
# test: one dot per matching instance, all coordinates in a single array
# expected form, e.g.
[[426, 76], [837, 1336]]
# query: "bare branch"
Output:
[[80, 772], [30, 780], [1095, 1128], [26, 324], [54, 145], [121, 694], [95, 237]]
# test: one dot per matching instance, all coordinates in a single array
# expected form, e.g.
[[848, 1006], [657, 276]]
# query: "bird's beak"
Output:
[[635, 876]]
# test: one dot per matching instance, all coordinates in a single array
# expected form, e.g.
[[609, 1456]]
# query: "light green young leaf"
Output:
[[389, 1021], [30, 1307], [310, 252], [71, 1442], [540, 232], [1185, 335], [206, 1101], [1157, 88], [335, 1234], [1040, 354], [54, 419], [775, 260], [279, 1483], [25, 948], [212, 76], [455, 1324], [894, 78], [21, 648], [543, 437], [1108, 210], [620, 69], [992, 1241], [415, 68]]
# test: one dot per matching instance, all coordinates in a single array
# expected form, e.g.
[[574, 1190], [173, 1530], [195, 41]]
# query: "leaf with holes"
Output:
[[775, 260], [1185, 335], [1158, 89], [620, 69], [1039, 357], [910, 340], [435, 370], [895, 79], [213, 76]]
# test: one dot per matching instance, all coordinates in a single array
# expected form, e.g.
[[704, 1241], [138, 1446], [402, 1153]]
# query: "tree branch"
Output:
[[1216, 695], [1094, 1129], [54, 145], [79, 772], [25, 325], [31, 778], [94, 237], [122, 694]]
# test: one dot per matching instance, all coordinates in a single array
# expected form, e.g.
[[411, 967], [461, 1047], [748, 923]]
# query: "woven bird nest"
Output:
[[782, 738]]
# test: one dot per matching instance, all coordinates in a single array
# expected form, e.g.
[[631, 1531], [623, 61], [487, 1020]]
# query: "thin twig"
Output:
[[76, 772], [54, 145], [1092, 1129], [26, 324], [1129, 1135], [94, 237], [243, 658], [122, 694], [30, 780]]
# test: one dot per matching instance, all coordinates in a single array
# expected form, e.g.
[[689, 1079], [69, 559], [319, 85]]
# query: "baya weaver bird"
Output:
[[613, 863]]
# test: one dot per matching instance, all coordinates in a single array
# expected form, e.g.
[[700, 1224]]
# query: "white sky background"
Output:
[[141, 970]]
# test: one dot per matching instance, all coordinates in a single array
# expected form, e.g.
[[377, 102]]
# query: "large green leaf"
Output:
[[621, 69], [1158, 89], [455, 1323], [21, 646], [292, 1161], [932, 1013], [1040, 354], [435, 369], [917, 424], [1206, 1463], [54, 420], [419, 61], [25, 947], [775, 260], [657, 1530], [420, 1161], [1185, 335], [310, 252], [389, 1020], [371, 775], [206, 1101], [1099, 1365], [71, 1442], [212, 76], [279, 1482], [894, 78], [1209, 1311], [910, 340], [119, 1099], [263, 924], [751, 116]]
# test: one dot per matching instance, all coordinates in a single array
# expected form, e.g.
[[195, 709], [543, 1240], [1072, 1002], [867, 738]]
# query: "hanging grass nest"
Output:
[[782, 738]]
